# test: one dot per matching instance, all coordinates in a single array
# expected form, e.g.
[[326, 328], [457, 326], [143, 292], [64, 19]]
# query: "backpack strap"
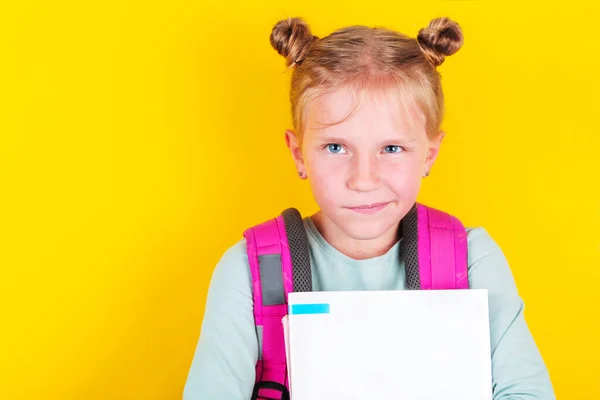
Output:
[[434, 248], [276, 270]]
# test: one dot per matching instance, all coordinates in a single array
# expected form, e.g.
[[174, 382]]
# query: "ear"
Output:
[[433, 151], [293, 143]]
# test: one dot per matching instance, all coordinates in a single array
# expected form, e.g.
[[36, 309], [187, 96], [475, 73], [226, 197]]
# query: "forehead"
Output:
[[378, 110]]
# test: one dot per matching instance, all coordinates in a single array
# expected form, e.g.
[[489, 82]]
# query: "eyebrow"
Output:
[[329, 138], [338, 139]]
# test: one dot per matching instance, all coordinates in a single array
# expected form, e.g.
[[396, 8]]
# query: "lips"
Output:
[[369, 208]]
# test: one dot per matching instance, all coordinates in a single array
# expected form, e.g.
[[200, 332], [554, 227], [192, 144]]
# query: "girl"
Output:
[[367, 107]]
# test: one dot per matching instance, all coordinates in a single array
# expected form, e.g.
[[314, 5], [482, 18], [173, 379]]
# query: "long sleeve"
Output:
[[223, 367], [518, 370]]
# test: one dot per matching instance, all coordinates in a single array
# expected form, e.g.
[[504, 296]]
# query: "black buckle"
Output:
[[285, 394]]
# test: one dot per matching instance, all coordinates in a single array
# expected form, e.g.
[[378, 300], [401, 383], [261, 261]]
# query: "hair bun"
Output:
[[442, 37], [292, 39]]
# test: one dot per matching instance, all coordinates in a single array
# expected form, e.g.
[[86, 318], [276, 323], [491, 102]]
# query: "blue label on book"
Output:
[[319, 308]]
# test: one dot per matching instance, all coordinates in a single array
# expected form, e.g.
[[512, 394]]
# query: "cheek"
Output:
[[403, 178], [326, 176], [321, 166]]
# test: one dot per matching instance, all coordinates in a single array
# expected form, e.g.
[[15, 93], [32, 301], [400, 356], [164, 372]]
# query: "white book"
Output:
[[409, 345]]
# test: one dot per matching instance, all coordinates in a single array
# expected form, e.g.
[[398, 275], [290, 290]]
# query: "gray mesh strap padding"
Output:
[[298, 241], [409, 248], [271, 279], [259, 335]]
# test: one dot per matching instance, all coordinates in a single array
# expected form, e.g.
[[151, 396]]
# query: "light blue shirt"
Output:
[[223, 367]]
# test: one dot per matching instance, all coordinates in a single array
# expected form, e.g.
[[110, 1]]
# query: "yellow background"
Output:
[[140, 138]]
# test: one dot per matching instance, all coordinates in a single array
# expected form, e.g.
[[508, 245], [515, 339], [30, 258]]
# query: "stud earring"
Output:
[[300, 174], [427, 173]]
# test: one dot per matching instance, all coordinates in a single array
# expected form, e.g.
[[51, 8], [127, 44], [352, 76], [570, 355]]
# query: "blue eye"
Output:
[[392, 149], [335, 148]]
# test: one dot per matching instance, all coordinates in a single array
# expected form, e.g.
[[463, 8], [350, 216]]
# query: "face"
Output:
[[365, 172]]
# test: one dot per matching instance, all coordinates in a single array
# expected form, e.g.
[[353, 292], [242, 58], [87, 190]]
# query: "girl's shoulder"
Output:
[[232, 271], [481, 244], [480, 241], [488, 266]]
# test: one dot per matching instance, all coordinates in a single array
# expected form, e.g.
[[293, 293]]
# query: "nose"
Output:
[[364, 173]]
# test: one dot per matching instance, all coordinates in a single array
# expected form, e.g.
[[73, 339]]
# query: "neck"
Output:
[[358, 249]]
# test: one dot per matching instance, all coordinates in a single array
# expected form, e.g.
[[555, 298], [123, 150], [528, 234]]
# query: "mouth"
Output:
[[369, 208]]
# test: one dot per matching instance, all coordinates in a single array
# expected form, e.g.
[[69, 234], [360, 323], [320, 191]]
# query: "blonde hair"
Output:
[[363, 58]]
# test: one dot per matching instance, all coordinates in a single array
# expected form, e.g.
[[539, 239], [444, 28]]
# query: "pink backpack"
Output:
[[433, 247]]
